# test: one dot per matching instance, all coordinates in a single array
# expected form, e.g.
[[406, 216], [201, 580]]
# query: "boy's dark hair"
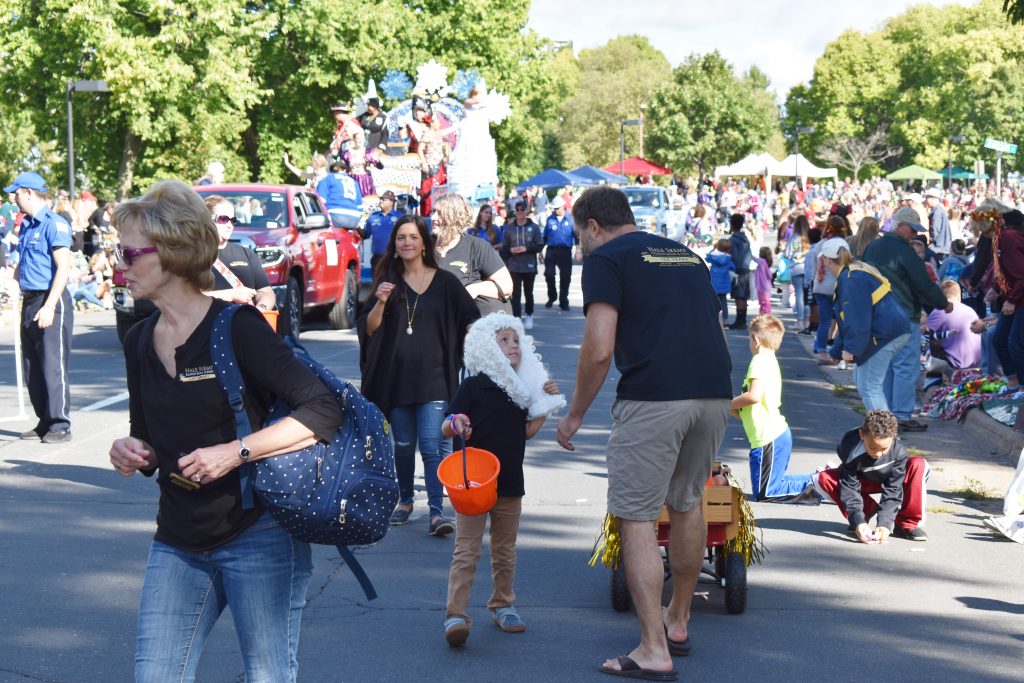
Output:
[[605, 205], [736, 222], [958, 247], [723, 245], [880, 424]]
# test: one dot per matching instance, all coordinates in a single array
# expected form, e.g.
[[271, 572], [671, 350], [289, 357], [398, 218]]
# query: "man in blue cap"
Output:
[[46, 311]]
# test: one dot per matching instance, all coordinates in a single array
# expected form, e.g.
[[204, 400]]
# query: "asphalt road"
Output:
[[820, 607]]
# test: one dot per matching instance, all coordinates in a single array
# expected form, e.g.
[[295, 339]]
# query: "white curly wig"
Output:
[[483, 354]]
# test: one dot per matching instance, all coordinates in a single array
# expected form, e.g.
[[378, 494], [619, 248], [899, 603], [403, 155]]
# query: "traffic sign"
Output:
[[1000, 146]]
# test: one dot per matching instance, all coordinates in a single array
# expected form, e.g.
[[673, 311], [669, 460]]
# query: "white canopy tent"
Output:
[[752, 165], [797, 165]]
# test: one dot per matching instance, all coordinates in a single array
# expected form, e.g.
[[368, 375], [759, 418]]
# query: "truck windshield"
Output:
[[265, 210], [645, 199]]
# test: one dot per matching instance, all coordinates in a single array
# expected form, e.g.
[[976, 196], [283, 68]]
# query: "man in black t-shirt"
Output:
[[649, 304]]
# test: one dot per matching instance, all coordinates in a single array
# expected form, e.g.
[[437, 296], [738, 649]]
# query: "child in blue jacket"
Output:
[[721, 266], [872, 323]]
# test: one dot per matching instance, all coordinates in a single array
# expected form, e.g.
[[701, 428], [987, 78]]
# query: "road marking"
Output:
[[123, 396]]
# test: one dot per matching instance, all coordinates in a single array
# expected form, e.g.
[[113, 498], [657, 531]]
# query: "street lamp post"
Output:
[[956, 139], [796, 157], [622, 141], [77, 86]]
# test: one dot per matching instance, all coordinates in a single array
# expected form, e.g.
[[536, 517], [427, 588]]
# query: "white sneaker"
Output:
[[527, 322]]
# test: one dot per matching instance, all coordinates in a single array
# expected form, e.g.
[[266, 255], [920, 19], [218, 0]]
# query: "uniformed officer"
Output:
[[559, 237], [47, 314], [379, 227]]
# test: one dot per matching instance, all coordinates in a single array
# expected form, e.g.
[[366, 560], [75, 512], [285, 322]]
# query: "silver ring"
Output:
[[196, 478], [117, 467]]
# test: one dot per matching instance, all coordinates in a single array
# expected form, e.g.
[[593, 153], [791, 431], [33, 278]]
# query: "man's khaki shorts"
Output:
[[662, 452]]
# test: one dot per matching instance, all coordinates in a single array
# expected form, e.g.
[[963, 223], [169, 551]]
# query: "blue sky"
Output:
[[782, 37]]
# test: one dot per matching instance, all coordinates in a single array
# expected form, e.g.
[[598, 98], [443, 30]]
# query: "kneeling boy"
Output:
[[758, 407], [875, 462]]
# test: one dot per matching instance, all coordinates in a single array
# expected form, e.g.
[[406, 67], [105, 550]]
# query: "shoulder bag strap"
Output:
[[226, 273], [229, 376]]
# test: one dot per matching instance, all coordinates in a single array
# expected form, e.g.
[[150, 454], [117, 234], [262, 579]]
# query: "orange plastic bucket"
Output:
[[271, 318], [482, 469]]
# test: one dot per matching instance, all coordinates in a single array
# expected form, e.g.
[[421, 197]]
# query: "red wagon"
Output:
[[721, 506]]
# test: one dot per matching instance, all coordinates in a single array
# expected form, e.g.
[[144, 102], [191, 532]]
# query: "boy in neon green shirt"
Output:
[[758, 407]]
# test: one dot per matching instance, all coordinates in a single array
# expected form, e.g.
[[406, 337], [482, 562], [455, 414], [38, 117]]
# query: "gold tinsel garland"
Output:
[[748, 541]]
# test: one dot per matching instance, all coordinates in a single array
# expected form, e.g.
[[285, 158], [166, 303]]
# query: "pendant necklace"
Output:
[[409, 315]]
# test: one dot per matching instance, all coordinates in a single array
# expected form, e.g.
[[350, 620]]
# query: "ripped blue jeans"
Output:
[[420, 424]]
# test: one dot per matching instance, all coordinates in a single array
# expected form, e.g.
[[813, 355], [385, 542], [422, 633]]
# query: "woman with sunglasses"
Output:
[[238, 274], [410, 354], [209, 553]]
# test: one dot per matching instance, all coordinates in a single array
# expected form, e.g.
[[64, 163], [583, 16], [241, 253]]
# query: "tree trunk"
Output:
[[250, 142], [129, 158]]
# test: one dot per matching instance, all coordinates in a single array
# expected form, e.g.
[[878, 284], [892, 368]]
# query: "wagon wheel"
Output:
[[735, 583], [621, 601]]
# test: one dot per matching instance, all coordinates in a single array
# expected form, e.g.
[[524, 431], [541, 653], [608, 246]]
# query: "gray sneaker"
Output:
[[508, 619], [913, 534]]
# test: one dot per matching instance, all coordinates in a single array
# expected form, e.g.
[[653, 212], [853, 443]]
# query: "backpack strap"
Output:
[[349, 558], [229, 376]]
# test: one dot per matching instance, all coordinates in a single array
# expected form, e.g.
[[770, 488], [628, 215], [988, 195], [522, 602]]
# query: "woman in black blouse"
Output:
[[208, 552], [410, 352]]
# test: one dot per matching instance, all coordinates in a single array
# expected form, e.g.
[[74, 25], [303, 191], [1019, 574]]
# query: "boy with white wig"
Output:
[[503, 401]]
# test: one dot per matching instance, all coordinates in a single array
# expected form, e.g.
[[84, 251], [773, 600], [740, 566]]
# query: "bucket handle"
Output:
[[465, 476]]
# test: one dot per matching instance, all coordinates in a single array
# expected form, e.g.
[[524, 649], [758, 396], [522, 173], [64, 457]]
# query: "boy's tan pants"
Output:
[[469, 538]]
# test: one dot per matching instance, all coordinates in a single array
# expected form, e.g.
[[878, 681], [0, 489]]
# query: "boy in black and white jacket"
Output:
[[873, 461]]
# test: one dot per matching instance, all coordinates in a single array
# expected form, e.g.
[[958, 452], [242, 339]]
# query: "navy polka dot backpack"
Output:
[[340, 493]]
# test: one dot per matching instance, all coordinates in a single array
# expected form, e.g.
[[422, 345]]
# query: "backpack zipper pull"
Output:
[[369, 448], [341, 516]]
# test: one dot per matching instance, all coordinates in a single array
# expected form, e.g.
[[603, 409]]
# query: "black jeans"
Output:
[[522, 283], [559, 258]]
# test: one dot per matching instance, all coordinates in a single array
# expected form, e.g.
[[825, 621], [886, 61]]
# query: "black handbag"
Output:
[[486, 304]]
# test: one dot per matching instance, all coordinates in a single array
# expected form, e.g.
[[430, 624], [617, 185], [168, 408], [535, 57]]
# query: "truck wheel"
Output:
[[735, 583], [621, 600], [124, 323], [342, 315], [289, 323]]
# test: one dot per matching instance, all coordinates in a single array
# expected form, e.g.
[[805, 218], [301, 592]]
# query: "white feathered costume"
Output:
[[525, 384]]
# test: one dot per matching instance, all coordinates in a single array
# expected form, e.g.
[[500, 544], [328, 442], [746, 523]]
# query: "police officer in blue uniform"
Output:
[[47, 314], [379, 226], [559, 237]]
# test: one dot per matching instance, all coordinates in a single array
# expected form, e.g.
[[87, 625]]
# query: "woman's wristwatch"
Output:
[[243, 451]]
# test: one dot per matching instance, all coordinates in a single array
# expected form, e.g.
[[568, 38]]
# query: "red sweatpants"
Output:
[[910, 515]]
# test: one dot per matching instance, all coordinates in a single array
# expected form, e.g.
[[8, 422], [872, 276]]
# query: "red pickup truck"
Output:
[[310, 263]]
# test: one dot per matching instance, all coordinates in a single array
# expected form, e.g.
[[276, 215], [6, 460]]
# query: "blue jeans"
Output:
[[86, 292], [990, 364], [1008, 341], [262, 575], [420, 423], [900, 385], [825, 315], [768, 463], [869, 376], [799, 303]]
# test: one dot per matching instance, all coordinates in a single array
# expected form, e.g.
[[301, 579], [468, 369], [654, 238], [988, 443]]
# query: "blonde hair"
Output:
[[768, 331], [843, 258], [455, 215], [951, 289], [174, 218], [867, 231]]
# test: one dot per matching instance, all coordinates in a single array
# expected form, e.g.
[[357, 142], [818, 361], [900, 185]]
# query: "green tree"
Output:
[[927, 75], [180, 78], [616, 81], [706, 115]]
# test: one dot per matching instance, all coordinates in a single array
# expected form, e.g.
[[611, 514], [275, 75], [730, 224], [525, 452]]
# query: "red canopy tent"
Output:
[[636, 166]]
